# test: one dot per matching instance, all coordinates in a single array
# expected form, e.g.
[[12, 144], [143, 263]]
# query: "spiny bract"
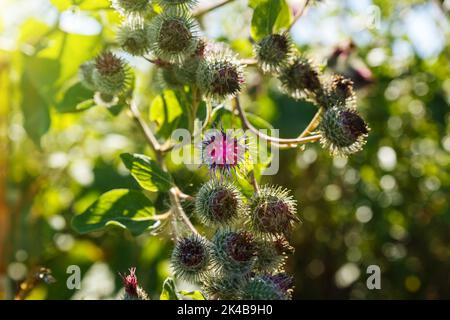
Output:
[[301, 79], [110, 74], [220, 75], [233, 251], [272, 211], [173, 36], [266, 287], [190, 258], [133, 38], [218, 202], [268, 258], [343, 131], [273, 51]]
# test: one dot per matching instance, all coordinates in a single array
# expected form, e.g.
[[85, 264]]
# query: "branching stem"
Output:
[[279, 141]]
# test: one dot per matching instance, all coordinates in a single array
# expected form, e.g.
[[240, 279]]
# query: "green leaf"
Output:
[[284, 18], [194, 295], [269, 16], [128, 209], [37, 84], [147, 172], [168, 112], [76, 98], [168, 290], [35, 110]]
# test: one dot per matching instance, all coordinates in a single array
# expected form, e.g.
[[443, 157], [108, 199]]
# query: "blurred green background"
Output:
[[387, 205]]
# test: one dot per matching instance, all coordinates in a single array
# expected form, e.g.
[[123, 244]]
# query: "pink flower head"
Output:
[[130, 282], [223, 151]]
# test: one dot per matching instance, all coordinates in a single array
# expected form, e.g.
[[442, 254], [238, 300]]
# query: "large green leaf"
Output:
[[269, 16], [168, 291], [125, 208], [147, 172], [35, 110], [168, 112]]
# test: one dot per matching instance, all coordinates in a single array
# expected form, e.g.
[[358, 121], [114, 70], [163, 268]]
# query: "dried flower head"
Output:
[[338, 93], [283, 246], [220, 75], [343, 131], [272, 211], [273, 51], [173, 36], [218, 202], [233, 251], [190, 258], [301, 79]]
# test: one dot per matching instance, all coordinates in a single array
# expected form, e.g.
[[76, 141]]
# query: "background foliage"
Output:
[[387, 205]]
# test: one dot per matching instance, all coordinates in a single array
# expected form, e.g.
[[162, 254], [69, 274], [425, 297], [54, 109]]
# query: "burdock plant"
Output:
[[231, 238]]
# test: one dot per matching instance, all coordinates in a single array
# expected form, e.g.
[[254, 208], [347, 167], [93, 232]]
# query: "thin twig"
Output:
[[149, 136], [249, 61], [176, 205], [291, 142], [313, 124], [254, 182], [204, 11], [298, 15]]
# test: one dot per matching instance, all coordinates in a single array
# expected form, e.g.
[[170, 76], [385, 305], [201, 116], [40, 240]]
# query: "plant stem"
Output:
[[249, 61], [298, 15], [176, 205], [204, 11], [313, 124], [148, 133], [175, 193], [254, 182], [286, 142]]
